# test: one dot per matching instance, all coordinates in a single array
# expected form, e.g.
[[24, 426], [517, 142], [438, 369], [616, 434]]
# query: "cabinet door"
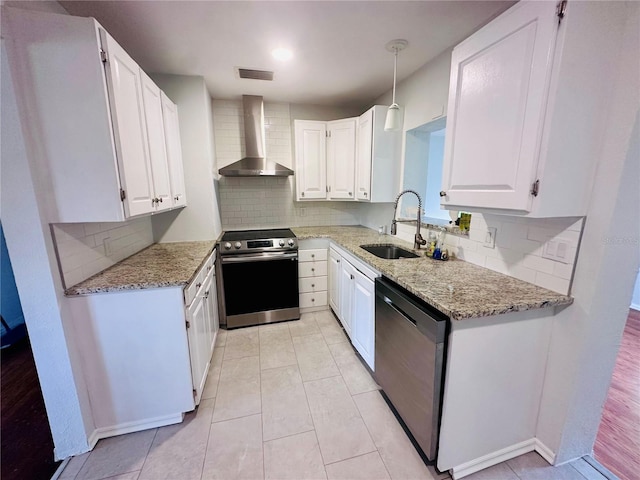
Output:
[[347, 277], [363, 316], [211, 301], [130, 135], [363, 164], [198, 343], [341, 158], [152, 100], [497, 96], [311, 170], [174, 151], [334, 281]]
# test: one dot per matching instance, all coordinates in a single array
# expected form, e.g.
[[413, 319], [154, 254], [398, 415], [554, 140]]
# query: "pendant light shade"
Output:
[[393, 122]]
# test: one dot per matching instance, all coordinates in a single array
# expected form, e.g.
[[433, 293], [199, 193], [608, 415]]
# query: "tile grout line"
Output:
[[370, 436], [155, 434]]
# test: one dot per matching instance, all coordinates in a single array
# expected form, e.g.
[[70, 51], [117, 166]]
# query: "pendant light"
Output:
[[393, 121]]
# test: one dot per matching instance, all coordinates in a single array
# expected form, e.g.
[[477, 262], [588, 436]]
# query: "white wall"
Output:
[[262, 202], [200, 220], [635, 300], [32, 254], [586, 336]]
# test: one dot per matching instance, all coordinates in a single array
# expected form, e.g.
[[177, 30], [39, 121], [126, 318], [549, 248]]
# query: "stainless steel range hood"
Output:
[[254, 164]]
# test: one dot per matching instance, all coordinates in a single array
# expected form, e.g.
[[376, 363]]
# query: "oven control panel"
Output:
[[264, 245]]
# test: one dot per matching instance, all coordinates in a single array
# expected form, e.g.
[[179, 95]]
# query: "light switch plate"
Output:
[[557, 249], [490, 237]]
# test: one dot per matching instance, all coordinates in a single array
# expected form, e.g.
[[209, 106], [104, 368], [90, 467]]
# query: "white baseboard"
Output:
[[129, 427], [545, 452], [314, 309], [493, 458]]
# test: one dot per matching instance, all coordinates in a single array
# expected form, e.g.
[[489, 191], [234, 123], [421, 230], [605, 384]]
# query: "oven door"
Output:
[[260, 288]]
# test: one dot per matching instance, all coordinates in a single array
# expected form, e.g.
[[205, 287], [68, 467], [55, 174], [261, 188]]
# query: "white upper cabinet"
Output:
[[311, 163], [152, 97], [341, 159], [499, 80], [174, 151], [378, 158], [523, 111], [129, 128], [95, 119]]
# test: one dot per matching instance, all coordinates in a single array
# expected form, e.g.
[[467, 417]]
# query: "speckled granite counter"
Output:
[[160, 265], [457, 288]]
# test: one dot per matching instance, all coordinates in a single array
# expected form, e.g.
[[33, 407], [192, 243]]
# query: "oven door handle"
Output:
[[259, 257]]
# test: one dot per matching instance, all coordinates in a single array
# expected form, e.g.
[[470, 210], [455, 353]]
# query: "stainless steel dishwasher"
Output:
[[410, 344]]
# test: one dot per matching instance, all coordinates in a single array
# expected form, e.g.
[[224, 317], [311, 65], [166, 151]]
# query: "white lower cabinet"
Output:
[[144, 353], [363, 317], [352, 298], [312, 278], [202, 328]]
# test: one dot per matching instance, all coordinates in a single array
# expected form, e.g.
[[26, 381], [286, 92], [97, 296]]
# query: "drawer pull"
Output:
[[313, 285], [313, 255], [313, 269], [313, 299], [198, 285]]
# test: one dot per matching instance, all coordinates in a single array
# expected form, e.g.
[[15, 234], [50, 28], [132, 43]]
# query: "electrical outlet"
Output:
[[490, 237], [106, 243]]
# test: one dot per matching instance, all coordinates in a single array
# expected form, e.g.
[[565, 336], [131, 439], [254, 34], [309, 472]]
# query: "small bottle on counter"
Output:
[[431, 244]]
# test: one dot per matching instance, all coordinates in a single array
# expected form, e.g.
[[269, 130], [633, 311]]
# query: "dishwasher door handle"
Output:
[[398, 310]]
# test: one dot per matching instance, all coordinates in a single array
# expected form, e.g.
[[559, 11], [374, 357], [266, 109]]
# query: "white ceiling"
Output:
[[339, 46]]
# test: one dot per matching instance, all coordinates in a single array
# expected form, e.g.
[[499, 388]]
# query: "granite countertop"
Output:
[[160, 265], [455, 287]]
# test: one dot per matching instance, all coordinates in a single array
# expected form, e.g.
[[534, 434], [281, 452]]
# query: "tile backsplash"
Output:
[[85, 249], [263, 202], [519, 246]]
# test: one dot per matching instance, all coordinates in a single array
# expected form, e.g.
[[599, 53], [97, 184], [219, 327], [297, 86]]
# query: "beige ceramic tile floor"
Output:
[[287, 401]]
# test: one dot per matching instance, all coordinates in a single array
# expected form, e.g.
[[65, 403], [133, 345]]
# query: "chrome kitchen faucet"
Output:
[[417, 240]]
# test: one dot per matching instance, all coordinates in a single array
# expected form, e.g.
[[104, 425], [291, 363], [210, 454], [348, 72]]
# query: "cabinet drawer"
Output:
[[312, 269], [191, 290], [312, 284], [312, 255], [313, 299]]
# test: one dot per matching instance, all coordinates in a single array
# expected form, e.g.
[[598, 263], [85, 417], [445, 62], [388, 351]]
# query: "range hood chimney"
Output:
[[254, 164]]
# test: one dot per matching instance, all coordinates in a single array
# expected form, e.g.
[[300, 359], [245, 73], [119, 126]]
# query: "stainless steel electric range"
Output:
[[258, 271]]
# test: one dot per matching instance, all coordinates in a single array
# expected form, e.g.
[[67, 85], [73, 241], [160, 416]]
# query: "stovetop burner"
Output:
[[234, 235]]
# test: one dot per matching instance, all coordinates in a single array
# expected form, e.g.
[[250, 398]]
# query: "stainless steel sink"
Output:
[[389, 252]]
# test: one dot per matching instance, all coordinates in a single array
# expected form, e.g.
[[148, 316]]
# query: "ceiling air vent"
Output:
[[255, 74]]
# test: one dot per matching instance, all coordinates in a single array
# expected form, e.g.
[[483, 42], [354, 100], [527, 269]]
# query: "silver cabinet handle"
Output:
[[302, 194], [159, 200], [351, 194], [198, 285]]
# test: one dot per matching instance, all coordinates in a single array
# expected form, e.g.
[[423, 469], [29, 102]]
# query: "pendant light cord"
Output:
[[395, 67]]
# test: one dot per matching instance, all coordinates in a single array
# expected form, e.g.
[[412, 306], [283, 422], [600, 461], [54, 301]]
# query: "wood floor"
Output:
[[618, 442], [27, 446]]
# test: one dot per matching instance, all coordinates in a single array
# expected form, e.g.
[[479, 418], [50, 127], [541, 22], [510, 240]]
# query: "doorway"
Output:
[[617, 445]]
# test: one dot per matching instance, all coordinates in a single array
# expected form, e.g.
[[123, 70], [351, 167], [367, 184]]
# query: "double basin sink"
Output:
[[389, 252]]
